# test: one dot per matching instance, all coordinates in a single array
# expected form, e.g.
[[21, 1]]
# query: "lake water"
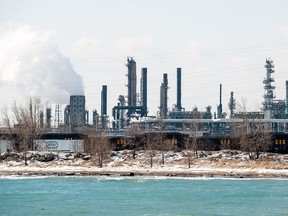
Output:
[[142, 196]]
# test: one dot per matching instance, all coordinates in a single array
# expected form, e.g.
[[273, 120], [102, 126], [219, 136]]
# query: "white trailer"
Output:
[[59, 145]]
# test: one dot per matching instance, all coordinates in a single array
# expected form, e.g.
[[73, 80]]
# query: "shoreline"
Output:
[[232, 164], [145, 172]]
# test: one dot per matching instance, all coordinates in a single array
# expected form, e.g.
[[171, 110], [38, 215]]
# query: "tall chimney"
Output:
[[103, 106], [164, 96], [220, 104], [179, 106], [144, 91], [104, 101]]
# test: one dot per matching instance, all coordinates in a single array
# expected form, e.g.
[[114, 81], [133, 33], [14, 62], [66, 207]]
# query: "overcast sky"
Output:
[[56, 48]]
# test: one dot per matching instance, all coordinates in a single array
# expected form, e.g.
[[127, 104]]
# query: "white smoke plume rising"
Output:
[[31, 65]]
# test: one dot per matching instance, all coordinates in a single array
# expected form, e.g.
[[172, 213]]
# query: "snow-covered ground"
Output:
[[220, 163]]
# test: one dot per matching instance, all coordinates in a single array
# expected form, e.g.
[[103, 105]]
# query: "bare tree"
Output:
[[150, 147], [25, 118], [7, 122], [188, 150], [132, 134], [254, 138], [99, 146], [194, 128], [159, 139], [252, 134]]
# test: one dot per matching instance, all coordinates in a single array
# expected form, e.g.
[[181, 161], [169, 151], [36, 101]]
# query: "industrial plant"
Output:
[[210, 129], [133, 106], [131, 110]]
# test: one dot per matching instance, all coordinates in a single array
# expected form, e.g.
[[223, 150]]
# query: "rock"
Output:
[[49, 157], [113, 154], [68, 155], [10, 158], [86, 157], [46, 157], [77, 155], [202, 155], [5, 155], [41, 159], [29, 155]]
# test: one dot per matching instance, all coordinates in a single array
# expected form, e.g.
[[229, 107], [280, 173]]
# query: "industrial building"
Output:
[[75, 114]]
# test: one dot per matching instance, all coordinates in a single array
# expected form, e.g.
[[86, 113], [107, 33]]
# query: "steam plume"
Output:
[[31, 65]]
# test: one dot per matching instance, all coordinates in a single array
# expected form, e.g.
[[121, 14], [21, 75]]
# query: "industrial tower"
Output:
[[164, 97], [132, 84], [268, 87], [219, 107], [232, 105], [134, 107], [58, 115], [104, 106]]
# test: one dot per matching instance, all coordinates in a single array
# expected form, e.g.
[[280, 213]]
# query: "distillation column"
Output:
[[132, 84], [268, 87]]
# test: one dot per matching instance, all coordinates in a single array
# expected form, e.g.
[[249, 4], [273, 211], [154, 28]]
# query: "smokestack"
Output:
[[104, 101], [144, 91], [164, 97], [179, 106], [220, 104], [103, 106], [232, 105], [286, 97]]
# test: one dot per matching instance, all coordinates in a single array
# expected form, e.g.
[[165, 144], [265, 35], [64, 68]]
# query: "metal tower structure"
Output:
[[58, 115], [268, 87], [164, 97], [232, 105], [134, 108], [132, 82], [219, 108]]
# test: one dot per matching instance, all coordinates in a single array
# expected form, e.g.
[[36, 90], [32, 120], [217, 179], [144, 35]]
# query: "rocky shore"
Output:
[[234, 164]]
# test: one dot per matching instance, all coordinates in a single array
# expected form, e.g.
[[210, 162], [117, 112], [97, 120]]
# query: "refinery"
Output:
[[132, 108], [130, 113]]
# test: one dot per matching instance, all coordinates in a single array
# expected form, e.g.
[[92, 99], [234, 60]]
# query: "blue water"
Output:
[[142, 196]]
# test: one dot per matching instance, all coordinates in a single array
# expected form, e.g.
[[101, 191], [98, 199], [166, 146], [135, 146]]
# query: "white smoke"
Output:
[[31, 65]]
